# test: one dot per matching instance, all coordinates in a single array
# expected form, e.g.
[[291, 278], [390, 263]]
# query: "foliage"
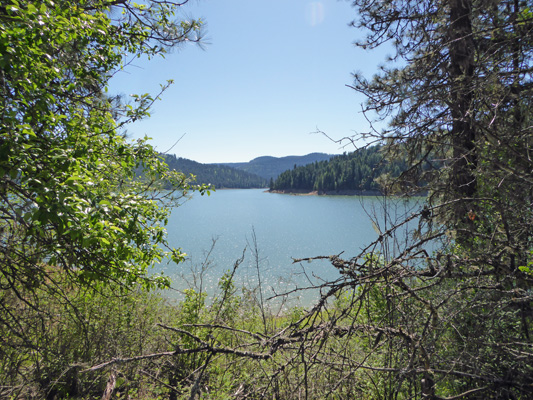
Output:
[[88, 327], [73, 214], [457, 89], [356, 344], [447, 316], [69, 194]]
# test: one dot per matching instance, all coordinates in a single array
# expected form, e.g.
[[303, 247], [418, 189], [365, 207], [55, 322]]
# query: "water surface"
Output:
[[285, 227]]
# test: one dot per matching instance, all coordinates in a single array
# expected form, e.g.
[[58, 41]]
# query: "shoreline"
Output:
[[328, 192]]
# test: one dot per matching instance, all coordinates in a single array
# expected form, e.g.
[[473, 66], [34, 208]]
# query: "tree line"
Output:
[[363, 170], [271, 167], [218, 175]]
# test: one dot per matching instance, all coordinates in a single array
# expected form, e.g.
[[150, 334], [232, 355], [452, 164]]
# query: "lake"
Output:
[[285, 227]]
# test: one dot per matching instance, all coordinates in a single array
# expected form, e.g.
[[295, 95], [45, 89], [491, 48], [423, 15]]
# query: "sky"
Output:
[[269, 75]]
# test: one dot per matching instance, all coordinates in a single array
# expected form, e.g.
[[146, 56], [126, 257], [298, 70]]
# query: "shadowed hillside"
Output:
[[220, 176]]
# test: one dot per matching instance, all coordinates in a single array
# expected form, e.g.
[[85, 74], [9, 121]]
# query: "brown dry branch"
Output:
[[110, 387]]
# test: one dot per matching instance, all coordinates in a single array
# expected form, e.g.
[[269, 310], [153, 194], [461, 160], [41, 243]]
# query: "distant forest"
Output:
[[220, 176], [271, 167], [361, 170]]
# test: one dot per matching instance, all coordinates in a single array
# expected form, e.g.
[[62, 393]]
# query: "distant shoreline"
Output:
[[328, 192]]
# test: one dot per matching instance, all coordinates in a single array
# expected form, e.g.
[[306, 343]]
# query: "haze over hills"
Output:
[[271, 167]]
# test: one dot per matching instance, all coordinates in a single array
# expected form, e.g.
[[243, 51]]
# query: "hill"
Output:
[[269, 167], [364, 170], [220, 176]]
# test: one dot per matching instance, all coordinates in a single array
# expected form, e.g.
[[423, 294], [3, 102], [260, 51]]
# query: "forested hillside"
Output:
[[270, 167], [220, 176], [363, 170]]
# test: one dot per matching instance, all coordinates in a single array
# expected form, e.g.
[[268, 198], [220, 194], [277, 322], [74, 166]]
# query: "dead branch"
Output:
[[110, 387]]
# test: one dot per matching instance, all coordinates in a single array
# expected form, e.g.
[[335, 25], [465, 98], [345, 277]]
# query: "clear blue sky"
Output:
[[271, 73]]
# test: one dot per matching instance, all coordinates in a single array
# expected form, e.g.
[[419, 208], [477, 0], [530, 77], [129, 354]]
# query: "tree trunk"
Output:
[[461, 69]]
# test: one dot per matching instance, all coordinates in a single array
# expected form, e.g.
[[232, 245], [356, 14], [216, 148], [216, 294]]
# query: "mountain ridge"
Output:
[[270, 167], [255, 173], [220, 176]]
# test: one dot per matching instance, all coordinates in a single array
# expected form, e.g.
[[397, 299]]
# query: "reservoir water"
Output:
[[284, 226]]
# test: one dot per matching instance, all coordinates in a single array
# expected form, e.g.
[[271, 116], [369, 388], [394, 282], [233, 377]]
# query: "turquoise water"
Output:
[[285, 227]]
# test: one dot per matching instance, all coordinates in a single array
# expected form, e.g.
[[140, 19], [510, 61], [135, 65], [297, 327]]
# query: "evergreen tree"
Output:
[[453, 320], [460, 92], [457, 95]]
